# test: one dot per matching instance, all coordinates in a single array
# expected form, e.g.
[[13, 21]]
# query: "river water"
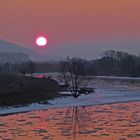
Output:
[[99, 122], [102, 115]]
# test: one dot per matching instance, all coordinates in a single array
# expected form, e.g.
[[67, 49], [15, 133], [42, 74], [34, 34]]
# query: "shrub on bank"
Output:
[[23, 90]]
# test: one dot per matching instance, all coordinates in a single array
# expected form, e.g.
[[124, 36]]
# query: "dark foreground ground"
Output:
[[15, 89]]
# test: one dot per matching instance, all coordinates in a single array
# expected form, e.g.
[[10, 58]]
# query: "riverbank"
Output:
[[105, 93], [100, 122], [19, 90]]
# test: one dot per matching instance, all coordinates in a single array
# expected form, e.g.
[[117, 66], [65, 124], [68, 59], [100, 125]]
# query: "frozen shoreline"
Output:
[[100, 97], [107, 92]]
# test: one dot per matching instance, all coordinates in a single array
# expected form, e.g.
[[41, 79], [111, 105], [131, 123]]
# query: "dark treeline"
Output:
[[30, 67], [116, 63], [112, 63]]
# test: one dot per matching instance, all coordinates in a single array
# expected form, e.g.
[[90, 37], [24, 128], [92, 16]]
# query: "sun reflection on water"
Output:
[[115, 121]]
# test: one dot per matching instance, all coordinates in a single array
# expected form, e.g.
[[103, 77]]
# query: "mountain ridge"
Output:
[[6, 46]]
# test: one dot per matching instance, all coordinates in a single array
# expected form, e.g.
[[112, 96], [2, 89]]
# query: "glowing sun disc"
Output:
[[41, 41]]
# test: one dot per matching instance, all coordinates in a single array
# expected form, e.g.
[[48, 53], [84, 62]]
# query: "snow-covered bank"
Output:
[[101, 96], [107, 91]]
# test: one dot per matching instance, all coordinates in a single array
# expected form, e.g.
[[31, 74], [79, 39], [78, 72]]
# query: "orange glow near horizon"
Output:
[[70, 21]]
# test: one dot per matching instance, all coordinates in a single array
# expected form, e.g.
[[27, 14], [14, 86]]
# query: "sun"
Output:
[[41, 41]]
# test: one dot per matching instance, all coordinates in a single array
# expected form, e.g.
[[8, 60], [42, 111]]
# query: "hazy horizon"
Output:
[[94, 51], [82, 28]]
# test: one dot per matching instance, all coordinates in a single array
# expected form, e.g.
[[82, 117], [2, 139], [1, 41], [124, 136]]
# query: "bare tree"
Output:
[[73, 75]]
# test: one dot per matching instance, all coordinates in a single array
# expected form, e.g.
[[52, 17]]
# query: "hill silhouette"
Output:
[[6, 46]]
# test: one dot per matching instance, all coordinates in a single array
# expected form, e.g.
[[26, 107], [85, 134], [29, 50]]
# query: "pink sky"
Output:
[[69, 22]]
